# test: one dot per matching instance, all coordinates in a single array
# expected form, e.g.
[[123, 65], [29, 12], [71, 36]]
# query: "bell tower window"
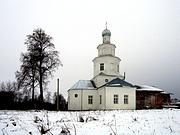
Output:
[[101, 66]]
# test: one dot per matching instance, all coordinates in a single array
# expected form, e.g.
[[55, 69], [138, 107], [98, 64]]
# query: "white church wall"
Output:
[[74, 103], [101, 80], [111, 65], [81, 101], [102, 92], [120, 91], [87, 106], [106, 49]]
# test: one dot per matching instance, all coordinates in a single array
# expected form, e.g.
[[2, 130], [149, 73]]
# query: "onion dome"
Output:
[[106, 32]]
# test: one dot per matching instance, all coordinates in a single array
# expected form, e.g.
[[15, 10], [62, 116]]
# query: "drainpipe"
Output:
[[105, 97], [81, 99]]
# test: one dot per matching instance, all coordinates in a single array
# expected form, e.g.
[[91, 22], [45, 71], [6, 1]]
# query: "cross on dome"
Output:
[[106, 32]]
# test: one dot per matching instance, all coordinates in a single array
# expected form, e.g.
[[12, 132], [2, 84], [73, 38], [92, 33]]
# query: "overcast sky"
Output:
[[145, 32]]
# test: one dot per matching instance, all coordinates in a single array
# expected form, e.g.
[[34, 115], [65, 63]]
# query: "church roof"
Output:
[[118, 83], [147, 88], [83, 85], [104, 74], [106, 55]]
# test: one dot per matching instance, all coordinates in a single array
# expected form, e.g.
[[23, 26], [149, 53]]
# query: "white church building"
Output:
[[108, 89]]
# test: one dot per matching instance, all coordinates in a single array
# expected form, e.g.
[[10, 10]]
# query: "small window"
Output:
[[100, 99], [90, 99], [115, 99], [101, 66], [125, 99], [76, 95], [106, 80]]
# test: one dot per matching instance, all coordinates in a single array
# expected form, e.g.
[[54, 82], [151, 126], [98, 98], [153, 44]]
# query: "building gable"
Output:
[[118, 83]]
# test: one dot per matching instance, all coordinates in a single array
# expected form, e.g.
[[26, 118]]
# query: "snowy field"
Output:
[[122, 122]]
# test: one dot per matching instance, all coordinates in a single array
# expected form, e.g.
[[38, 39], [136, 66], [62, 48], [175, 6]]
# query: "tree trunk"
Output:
[[41, 84], [33, 87], [41, 77]]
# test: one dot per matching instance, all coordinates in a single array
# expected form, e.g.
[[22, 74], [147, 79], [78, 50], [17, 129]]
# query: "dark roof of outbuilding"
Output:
[[118, 83]]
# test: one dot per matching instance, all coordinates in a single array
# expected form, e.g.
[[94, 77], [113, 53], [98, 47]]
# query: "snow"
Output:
[[121, 122], [148, 88]]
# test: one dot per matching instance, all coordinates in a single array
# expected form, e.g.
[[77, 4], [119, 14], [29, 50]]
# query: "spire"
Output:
[[106, 25]]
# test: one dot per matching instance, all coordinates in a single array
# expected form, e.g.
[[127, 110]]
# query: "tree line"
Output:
[[38, 64]]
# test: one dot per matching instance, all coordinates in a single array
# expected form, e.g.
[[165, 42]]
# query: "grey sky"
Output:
[[145, 32]]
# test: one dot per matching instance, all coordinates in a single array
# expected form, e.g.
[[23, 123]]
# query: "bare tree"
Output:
[[39, 63], [27, 76]]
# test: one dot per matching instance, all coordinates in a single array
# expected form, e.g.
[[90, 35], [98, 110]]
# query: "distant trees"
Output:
[[8, 94], [38, 63], [12, 98], [62, 102]]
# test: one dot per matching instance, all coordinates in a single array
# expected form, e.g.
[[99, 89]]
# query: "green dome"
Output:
[[106, 32]]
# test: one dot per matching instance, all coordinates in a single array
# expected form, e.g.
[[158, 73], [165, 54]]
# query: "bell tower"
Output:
[[106, 64]]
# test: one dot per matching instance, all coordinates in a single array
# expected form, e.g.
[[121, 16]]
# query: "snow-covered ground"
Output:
[[119, 122]]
